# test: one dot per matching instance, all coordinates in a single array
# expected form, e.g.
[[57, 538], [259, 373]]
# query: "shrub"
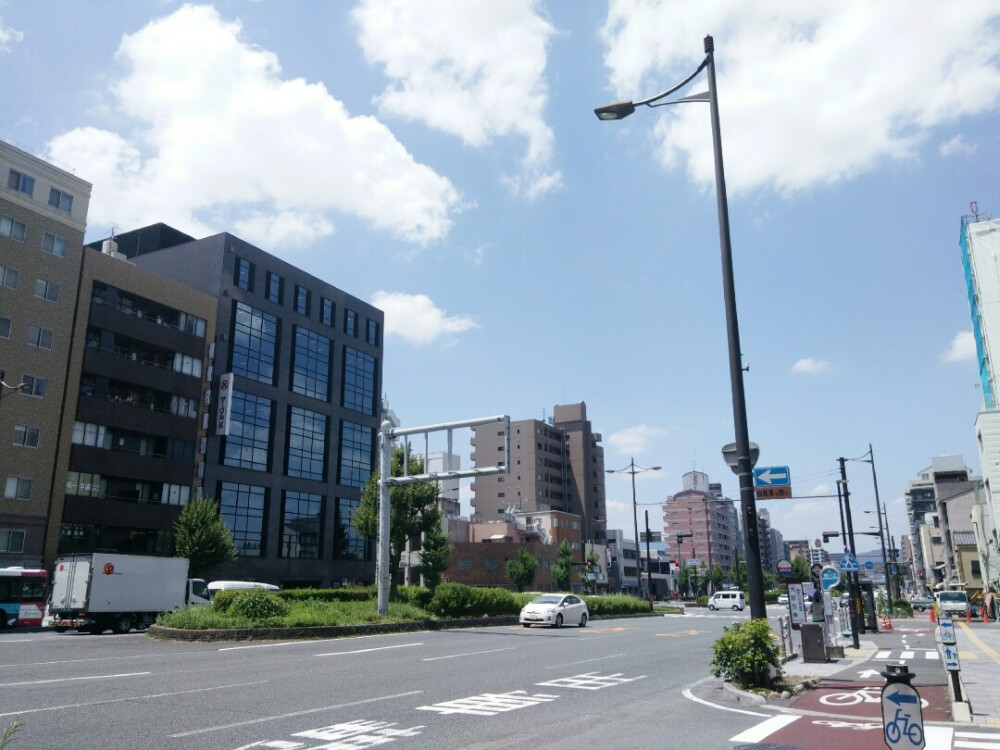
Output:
[[257, 605], [456, 600], [418, 596], [614, 604], [223, 600], [745, 654], [702, 601], [342, 594], [771, 595], [902, 608]]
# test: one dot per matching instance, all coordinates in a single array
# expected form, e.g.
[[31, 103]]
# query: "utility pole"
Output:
[[857, 621]]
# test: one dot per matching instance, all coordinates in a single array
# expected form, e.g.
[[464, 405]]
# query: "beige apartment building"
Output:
[[43, 216], [555, 465]]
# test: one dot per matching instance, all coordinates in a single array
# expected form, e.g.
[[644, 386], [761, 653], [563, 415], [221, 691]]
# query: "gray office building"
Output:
[[294, 378]]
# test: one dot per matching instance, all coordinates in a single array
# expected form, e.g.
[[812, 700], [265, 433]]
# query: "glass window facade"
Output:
[[243, 274], [326, 311], [302, 526], [355, 454], [359, 381], [248, 444], [255, 340], [275, 287], [311, 364], [348, 543], [243, 509], [350, 323], [301, 300], [371, 335], [306, 444]]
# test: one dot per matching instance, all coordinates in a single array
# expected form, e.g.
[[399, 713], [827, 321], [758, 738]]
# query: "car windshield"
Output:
[[952, 597], [547, 599]]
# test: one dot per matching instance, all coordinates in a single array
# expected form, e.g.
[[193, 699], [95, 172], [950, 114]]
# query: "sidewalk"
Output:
[[979, 657]]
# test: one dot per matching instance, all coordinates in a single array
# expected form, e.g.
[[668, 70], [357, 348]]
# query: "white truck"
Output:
[[103, 591]]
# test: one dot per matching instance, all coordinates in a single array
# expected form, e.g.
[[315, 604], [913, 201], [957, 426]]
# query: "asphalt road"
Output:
[[614, 684]]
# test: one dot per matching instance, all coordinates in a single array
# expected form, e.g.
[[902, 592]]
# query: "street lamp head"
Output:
[[615, 111]]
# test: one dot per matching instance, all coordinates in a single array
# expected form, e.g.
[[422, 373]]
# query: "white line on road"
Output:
[[882, 655], [971, 739], [931, 655], [469, 653], [906, 655], [309, 642], [765, 729], [686, 692], [304, 712], [367, 650], [75, 679], [129, 699], [586, 661]]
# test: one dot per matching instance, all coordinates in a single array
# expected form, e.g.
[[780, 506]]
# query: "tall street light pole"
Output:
[[633, 470], [748, 503]]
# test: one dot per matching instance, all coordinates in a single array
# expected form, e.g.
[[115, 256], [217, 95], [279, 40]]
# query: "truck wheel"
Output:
[[123, 623]]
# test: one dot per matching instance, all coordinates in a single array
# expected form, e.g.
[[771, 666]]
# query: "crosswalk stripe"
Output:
[[981, 744], [932, 655], [883, 655], [906, 655], [764, 730]]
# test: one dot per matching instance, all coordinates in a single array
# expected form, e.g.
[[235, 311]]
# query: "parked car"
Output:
[[782, 598], [921, 603], [555, 610], [734, 600]]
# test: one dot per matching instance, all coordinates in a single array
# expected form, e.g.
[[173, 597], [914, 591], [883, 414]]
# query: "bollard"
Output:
[[932, 614]]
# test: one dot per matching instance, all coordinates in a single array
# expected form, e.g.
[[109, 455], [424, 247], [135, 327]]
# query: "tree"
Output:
[[687, 580], [800, 569], [718, 575], [521, 570], [434, 550], [562, 568], [410, 508], [739, 572], [200, 535]]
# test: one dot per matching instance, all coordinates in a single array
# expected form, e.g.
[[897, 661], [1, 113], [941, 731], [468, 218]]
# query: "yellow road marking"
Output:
[[979, 643], [680, 633]]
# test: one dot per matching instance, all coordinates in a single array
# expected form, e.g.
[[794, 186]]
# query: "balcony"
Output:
[[135, 417], [129, 465], [145, 327], [120, 366]]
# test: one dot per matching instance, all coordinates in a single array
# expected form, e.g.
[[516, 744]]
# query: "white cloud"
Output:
[[809, 93], [957, 145], [223, 139], [810, 366], [8, 35], [471, 68], [962, 349], [634, 440], [415, 318]]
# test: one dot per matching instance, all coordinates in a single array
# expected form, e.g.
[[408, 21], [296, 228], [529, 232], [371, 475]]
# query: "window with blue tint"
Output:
[[302, 526], [243, 507], [348, 544], [311, 364], [275, 288], [359, 381], [306, 444], [301, 300], [351, 323], [21, 182], [243, 274], [255, 339], [59, 199], [371, 335], [326, 311], [355, 454], [248, 443]]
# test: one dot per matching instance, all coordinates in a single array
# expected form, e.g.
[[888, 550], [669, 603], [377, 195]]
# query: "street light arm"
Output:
[[621, 110]]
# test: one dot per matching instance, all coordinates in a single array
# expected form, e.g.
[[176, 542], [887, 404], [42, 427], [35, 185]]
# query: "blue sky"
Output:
[[442, 160]]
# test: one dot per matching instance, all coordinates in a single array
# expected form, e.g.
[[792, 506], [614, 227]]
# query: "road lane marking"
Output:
[[75, 679], [906, 655], [293, 714], [368, 650], [931, 655], [686, 692], [469, 653], [882, 655], [130, 699], [765, 729], [586, 661], [489, 704]]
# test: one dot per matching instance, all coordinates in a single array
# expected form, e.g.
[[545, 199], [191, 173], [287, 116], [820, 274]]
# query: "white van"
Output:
[[733, 600], [216, 586]]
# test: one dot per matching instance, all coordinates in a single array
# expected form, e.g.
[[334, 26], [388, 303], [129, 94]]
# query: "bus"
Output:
[[22, 597]]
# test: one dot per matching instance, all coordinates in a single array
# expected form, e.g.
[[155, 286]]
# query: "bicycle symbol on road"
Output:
[[902, 724], [861, 695]]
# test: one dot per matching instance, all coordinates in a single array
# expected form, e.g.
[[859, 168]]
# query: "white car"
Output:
[[555, 610], [782, 598]]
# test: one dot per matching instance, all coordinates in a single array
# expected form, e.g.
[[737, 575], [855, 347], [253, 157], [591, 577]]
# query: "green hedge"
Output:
[[342, 594], [418, 596], [746, 654], [616, 604], [456, 600]]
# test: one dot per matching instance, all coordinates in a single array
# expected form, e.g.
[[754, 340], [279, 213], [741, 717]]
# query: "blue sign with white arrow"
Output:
[[902, 717], [772, 476], [951, 659]]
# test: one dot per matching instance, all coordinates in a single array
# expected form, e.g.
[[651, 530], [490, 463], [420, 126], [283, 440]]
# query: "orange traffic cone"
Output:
[[968, 615], [932, 615]]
